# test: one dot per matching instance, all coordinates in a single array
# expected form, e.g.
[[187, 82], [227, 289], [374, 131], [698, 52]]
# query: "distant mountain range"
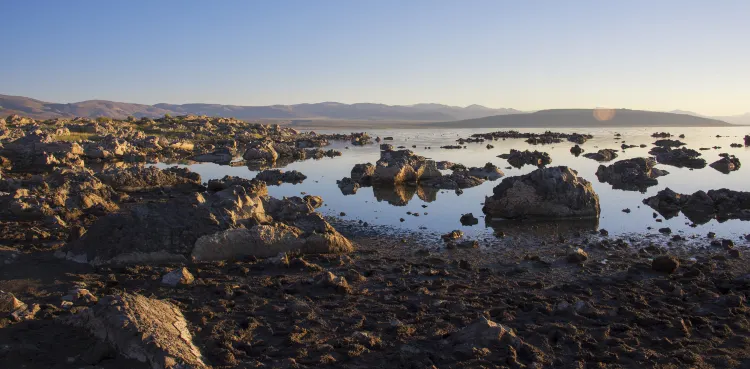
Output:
[[437, 115], [743, 119], [327, 110], [585, 118]]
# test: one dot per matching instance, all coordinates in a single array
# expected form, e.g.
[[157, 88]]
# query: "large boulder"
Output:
[[161, 232], [403, 166], [143, 179], [635, 174], [141, 328], [261, 151], [546, 193]]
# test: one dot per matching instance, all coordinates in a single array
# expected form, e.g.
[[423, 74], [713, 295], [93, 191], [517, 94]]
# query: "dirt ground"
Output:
[[405, 303]]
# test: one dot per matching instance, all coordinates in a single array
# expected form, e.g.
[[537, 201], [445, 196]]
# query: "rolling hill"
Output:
[[584, 118], [327, 110]]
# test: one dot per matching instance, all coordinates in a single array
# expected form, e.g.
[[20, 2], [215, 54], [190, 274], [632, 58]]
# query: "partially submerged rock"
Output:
[[701, 207], [518, 158], [547, 193], [602, 155], [669, 143], [727, 164], [576, 150], [681, 158], [635, 174], [277, 176], [403, 166], [148, 330]]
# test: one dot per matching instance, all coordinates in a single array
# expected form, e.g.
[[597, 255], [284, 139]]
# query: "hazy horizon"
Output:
[[664, 56]]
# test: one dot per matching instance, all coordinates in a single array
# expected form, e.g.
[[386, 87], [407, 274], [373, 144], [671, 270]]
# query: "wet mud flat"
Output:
[[398, 301]]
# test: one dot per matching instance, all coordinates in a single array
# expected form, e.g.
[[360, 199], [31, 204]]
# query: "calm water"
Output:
[[445, 207]]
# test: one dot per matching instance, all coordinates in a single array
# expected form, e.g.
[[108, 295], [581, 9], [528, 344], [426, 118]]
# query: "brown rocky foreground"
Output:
[[583, 302]]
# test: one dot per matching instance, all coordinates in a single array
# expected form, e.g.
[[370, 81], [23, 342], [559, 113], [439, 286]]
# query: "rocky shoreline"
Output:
[[110, 263]]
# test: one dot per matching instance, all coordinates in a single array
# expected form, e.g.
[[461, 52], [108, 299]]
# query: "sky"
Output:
[[528, 55]]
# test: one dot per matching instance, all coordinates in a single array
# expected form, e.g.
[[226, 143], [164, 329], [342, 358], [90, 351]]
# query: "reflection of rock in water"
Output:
[[396, 195], [550, 228], [427, 193], [263, 165]]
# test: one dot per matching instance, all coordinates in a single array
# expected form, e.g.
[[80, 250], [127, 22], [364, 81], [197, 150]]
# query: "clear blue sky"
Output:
[[657, 55]]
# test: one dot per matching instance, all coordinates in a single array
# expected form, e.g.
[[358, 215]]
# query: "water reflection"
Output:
[[400, 195], [508, 227]]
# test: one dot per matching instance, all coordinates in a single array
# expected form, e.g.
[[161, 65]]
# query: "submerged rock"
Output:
[[546, 193], [635, 174], [148, 330]]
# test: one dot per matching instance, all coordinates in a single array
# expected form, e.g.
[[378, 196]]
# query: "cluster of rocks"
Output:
[[518, 158], [233, 222], [681, 157], [547, 137], [403, 167], [635, 174], [546, 193], [701, 207]]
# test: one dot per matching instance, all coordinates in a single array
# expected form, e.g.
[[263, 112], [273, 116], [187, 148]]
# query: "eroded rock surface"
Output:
[[556, 192]]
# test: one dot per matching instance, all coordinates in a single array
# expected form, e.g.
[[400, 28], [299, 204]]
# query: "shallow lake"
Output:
[[444, 207]]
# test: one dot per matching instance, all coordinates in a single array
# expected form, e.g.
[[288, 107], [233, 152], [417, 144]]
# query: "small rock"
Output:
[[469, 219], [604, 232], [665, 230], [665, 264], [578, 256], [9, 303], [177, 277]]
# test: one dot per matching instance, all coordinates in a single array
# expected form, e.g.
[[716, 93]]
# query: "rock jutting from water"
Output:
[[681, 158], [727, 164], [635, 174], [546, 193], [602, 155], [518, 158], [701, 207]]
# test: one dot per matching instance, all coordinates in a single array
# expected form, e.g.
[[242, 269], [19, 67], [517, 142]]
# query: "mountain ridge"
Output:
[[551, 118], [39, 109]]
